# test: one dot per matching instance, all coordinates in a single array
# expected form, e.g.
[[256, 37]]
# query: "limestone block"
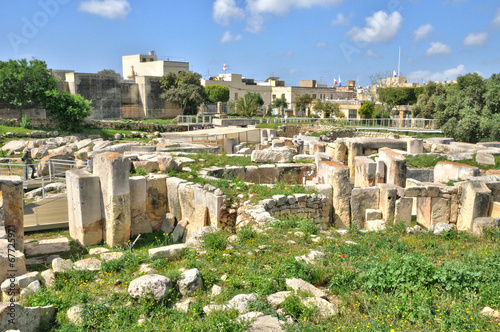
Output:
[[355, 149], [424, 211], [324, 308], [7, 267], [266, 323], [415, 146], [168, 224], [380, 172], [374, 225], [43, 166], [475, 202], [147, 165], [171, 253], [445, 171], [300, 285], [166, 163], [373, 214], [46, 247], [190, 282], [361, 200], [485, 159], [186, 200], [403, 211], [60, 265], [479, 224], [267, 174], [292, 173], [88, 264], [214, 205], [139, 221], [366, 170], [388, 198], [156, 200], [341, 197], [440, 210], [28, 319], [495, 211], [11, 195], [113, 171], [421, 191], [174, 205], [272, 156], [179, 234], [340, 153], [151, 284], [48, 278], [229, 143], [84, 207], [395, 165]]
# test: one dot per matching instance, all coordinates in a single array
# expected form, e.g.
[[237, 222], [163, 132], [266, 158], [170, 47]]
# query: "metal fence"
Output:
[[194, 119]]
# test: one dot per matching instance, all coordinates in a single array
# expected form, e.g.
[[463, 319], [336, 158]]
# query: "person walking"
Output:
[[28, 162]]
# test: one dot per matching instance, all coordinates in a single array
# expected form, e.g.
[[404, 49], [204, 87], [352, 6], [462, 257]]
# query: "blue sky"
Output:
[[291, 39]]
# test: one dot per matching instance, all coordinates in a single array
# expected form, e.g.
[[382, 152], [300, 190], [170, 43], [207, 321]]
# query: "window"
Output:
[[314, 96], [282, 96], [143, 60], [236, 95], [274, 97], [353, 114]]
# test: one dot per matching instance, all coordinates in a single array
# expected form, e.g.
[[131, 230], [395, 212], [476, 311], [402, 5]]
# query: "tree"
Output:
[[278, 102], [107, 72], [184, 90], [69, 110], [217, 93], [249, 104], [327, 108], [23, 84], [367, 109], [303, 101]]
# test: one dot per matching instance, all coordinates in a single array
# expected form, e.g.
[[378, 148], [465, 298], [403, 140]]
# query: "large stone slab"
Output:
[[395, 164], [366, 170], [85, 213], [186, 200], [388, 198], [113, 171], [341, 184], [156, 200], [11, 197], [445, 171], [45, 247], [171, 253], [174, 205], [361, 200], [272, 156], [139, 221], [26, 319], [476, 198]]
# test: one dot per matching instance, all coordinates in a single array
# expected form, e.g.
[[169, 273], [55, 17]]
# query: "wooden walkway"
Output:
[[49, 213]]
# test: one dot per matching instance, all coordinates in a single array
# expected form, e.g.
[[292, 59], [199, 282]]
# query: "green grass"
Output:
[[388, 280], [423, 161]]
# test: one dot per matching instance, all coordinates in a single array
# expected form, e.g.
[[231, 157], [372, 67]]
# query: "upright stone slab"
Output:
[[84, 207], [380, 172], [395, 164], [403, 210], [476, 198], [361, 200], [186, 201], [341, 196], [214, 207], [156, 201], [340, 153], [174, 205], [113, 170], [139, 223], [388, 198], [366, 170], [415, 146], [355, 149], [11, 191]]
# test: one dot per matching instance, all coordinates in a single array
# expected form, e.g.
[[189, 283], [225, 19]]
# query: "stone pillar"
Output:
[[341, 197], [156, 202], [415, 146], [403, 210], [229, 143], [308, 112], [365, 172], [355, 149], [388, 197], [476, 199], [84, 207], [174, 205], [186, 200], [269, 109], [380, 172], [219, 107], [340, 153], [361, 200], [11, 191], [113, 170], [139, 221], [282, 111], [295, 112]]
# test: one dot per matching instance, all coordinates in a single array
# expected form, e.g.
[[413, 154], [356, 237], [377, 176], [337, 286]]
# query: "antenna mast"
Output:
[[399, 62]]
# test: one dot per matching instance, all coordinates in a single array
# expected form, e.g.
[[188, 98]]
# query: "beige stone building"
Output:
[[149, 65]]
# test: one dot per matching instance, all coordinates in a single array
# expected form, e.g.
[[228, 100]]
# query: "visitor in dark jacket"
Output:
[[28, 161]]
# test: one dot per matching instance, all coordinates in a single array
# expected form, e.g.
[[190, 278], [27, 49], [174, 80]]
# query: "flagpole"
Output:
[[399, 62]]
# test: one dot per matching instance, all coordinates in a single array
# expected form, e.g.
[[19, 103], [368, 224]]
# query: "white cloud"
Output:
[[288, 54], [226, 10], [371, 54], [280, 7], [228, 37], [426, 75], [476, 39], [380, 27], [340, 20], [107, 8], [423, 32], [438, 48], [496, 20], [320, 44]]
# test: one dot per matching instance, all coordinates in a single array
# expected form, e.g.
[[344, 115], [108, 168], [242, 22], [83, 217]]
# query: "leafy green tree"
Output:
[[23, 84], [328, 108], [303, 101], [69, 110], [380, 113], [107, 72], [492, 94], [217, 93], [278, 102], [184, 90], [431, 100], [249, 104], [367, 109]]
